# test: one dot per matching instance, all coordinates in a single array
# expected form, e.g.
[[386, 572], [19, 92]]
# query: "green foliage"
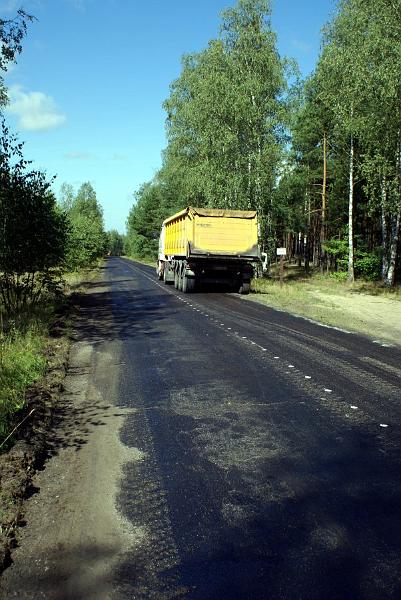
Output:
[[21, 363], [340, 276], [33, 229], [367, 264], [115, 243], [86, 240]]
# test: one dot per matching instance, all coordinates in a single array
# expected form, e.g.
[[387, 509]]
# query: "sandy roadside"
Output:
[[378, 317], [373, 315]]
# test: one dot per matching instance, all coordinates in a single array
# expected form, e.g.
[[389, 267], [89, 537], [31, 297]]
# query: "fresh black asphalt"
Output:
[[270, 449]]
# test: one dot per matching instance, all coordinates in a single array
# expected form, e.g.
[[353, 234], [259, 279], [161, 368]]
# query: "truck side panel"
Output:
[[203, 232], [224, 236]]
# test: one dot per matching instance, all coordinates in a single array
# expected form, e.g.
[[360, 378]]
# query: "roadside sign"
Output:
[[281, 251]]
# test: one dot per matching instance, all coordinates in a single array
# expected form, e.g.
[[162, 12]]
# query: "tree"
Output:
[[115, 243], [362, 62], [67, 196], [86, 240], [33, 231]]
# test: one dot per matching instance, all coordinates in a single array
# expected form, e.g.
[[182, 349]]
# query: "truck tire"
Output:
[[165, 272], [180, 281], [188, 284], [244, 288]]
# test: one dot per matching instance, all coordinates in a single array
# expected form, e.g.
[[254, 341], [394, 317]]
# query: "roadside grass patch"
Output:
[[22, 362], [147, 260]]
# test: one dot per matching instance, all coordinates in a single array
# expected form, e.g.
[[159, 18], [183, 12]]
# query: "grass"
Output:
[[23, 344], [22, 362], [145, 261], [75, 281]]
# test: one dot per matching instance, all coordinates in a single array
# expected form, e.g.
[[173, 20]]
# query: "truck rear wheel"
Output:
[[165, 273], [244, 288], [188, 284], [180, 281]]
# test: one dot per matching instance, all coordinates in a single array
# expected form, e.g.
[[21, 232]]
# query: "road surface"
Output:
[[262, 452]]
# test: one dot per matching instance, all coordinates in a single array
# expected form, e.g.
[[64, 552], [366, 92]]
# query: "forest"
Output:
[[319, 159]]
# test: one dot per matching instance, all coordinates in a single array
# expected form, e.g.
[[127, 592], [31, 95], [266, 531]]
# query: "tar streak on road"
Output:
[[265, 468]]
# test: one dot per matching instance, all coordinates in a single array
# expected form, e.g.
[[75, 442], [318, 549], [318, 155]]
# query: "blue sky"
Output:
[[87, 92]]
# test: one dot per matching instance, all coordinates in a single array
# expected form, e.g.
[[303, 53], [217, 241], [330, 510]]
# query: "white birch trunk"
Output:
[[384, 231], [393, 250], [351, 276]]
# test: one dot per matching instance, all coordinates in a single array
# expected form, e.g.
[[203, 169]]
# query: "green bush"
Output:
[[338, 276], [367, 264]]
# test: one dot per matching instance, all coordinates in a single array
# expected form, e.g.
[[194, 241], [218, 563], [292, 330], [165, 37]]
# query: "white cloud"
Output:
[[36, 111]]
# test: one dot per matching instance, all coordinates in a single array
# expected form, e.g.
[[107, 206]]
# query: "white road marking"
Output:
[[308, 377], [291, 366], [354, 407], [383, 425], [328, 390]]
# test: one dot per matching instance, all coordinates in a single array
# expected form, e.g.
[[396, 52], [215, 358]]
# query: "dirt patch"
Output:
[[373, 315]]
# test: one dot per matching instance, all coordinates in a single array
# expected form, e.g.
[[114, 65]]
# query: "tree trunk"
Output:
[[384, 232], [351, 276], [306, 235], [395, 233], [323, 217]]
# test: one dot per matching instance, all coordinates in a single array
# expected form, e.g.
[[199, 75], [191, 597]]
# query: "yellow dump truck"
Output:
[[209, 245]]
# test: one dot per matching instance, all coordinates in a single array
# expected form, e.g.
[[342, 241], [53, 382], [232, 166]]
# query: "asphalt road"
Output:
[[270, 449], [208, 447]]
